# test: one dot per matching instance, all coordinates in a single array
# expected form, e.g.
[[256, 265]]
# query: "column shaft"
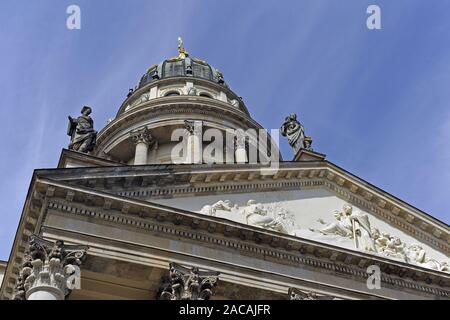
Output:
[[141, 153]]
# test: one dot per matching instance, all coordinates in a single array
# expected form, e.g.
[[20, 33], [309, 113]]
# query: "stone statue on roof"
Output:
[[81, 131]]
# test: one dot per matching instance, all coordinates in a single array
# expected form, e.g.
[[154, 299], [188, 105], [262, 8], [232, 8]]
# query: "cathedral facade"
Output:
[[184, 196]]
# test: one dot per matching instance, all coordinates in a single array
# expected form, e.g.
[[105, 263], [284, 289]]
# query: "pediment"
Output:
[[307, 194], [320, 215], [176, 201]]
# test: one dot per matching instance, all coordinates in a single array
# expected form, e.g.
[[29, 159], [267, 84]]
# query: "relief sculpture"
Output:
[[267, 216], [353, 224], [351, 228]]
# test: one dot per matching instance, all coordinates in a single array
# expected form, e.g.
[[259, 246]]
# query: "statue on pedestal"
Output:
[[82, 133], [294, 131]]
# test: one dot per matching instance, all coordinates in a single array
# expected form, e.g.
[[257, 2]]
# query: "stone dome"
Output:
[[173, 95], [182, 66]]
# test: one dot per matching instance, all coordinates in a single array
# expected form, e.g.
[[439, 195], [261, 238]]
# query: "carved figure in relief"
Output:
[[350, 224], [356, 225], [269, 216], [379, 239], [362, 232], [210, 210], [192, 91], [416, 254], [343, 225], [256, 214], [394, 247]]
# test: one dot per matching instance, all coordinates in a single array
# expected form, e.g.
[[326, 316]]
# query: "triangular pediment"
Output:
[[177, 200], [317, 214], [303, 199]]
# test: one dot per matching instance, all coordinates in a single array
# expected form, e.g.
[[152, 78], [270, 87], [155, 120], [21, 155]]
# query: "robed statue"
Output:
[[294, 131], [81, 131]]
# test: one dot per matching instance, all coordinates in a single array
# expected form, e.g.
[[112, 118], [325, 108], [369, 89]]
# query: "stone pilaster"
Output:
[[142, 139], [240, 149], [194, 141], [50, 270], [186, 283]]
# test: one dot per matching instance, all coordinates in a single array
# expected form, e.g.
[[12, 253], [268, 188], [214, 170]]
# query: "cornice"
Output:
[[176, 80], [86, 159], [177, 104], [162, 181]]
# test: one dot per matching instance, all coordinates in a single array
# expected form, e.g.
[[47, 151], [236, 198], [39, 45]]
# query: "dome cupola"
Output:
[[182, 66], [175, 94]]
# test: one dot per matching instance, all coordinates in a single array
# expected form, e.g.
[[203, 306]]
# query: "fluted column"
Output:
[[188, 283], [240, 150], [142, 139], [50, 270], [194, 141]]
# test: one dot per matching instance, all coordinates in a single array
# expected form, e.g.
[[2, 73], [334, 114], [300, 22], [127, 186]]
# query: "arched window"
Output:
[[206, 95], [172, 93]]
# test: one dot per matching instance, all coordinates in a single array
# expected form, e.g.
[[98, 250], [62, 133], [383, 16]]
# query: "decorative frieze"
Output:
[[353, 224], [50, 270], [290, 257], [188, 283]]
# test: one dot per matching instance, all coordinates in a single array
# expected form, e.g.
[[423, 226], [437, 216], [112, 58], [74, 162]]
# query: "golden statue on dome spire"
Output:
[[182, 53]]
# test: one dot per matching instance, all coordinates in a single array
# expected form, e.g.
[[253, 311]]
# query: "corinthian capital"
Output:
[[142, 136], [188, 284], [193, 127], [50, 270]]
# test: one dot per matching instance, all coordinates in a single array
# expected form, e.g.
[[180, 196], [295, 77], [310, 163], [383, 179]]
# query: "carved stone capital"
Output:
[[297, 294], [193, 127], [142, 136], [186, 283], [192, 91], [50, 270]]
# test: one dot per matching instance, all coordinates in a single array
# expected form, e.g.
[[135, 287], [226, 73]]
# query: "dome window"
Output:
[[173, 69], [172, 93], [202, 71], [206, 95]]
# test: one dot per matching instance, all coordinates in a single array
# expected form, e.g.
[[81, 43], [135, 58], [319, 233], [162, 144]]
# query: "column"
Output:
[[188, 283], [51, 270], [194, 141], [142, 139], [240, 151]]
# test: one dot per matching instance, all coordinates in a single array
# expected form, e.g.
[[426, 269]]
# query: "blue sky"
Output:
[[377, 102]]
